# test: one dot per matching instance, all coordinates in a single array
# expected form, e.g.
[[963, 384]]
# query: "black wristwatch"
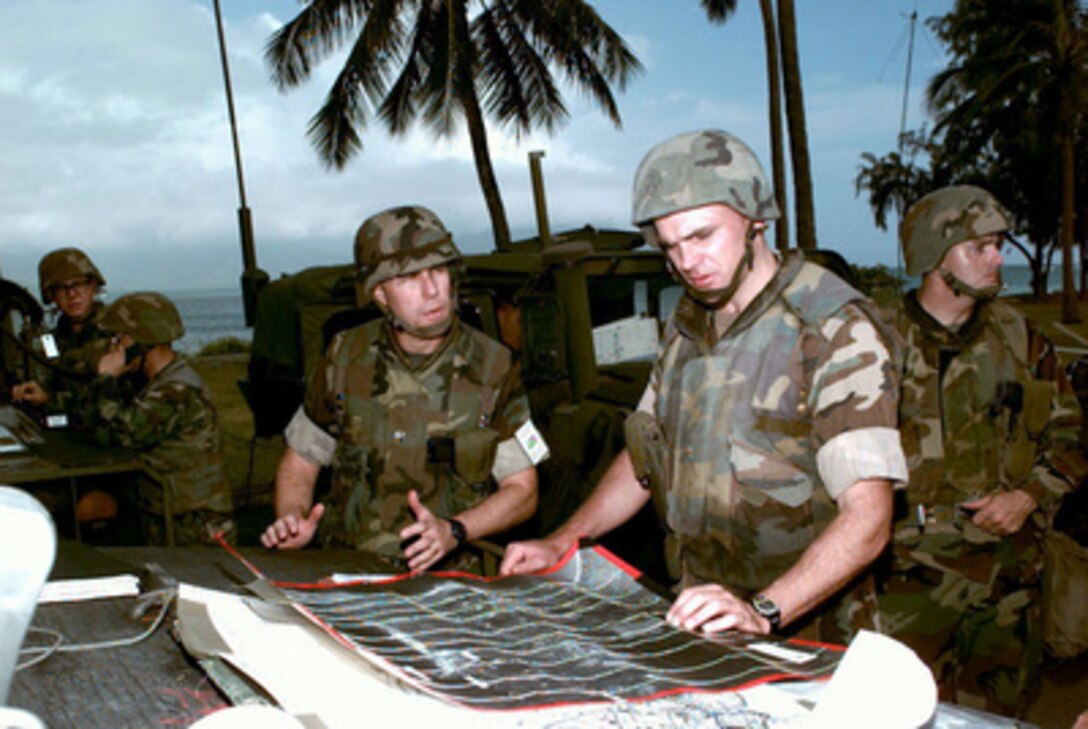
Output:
[[457, 529], [768, 610]]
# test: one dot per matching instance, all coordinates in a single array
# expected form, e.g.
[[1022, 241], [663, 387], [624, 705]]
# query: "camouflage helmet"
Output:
[[148, 317], [944, 218], [400, 241], [699, 168], [65, 264]]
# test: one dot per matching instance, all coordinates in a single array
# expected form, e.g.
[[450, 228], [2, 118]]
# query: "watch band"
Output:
[[460, 534], [768, 610]]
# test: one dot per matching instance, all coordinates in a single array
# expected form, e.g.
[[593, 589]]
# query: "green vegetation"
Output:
[[878, 282], [440, 63], [225, 345], [1008, 115]]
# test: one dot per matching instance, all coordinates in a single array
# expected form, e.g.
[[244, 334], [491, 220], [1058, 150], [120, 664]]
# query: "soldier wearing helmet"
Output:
[[423, 419], [70, 281], [988, 425], [166, 415], [766, 436]]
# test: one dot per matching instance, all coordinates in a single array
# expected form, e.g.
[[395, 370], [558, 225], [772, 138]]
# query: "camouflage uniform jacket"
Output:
[[983, 410], [382, 408], [79, 352], [771, 423], [173, 425]]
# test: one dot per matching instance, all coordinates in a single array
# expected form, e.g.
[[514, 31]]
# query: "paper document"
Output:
[[90, 588]]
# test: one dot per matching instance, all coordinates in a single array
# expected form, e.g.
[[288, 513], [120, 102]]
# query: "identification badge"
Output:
[[49, 346], [59, 420], [532, 442]]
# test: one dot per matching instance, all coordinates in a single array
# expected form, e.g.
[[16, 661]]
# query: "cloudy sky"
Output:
[[115, 134]]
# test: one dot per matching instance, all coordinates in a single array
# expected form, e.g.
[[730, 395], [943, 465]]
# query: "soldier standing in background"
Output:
[[68, 279], [170, 420], [423, 419], [982, 417], [767, 435]]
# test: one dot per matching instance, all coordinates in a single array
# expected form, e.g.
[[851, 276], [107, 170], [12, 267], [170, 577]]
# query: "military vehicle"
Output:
[[583, 309]]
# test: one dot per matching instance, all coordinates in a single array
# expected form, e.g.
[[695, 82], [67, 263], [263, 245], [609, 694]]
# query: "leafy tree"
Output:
[[896, 180], [780, 40], [1018, 61], [440, 61]]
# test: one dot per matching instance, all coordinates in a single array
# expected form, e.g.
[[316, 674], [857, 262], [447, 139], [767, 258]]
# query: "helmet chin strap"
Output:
[[717, 298], [961, 288]]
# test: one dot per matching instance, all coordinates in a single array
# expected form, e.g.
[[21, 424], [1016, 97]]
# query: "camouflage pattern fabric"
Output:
[[699, 168], [148, 317], [62, 265], [79, 352], [398, 242], [745, 417], [983, 410], [944, 218], [202, 526], [173, 425], [382, 407]]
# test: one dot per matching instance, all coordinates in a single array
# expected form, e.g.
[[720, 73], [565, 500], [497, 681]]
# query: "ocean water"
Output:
[[209, 314]]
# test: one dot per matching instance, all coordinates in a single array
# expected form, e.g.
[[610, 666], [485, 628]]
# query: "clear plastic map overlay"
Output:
[[587, 631]]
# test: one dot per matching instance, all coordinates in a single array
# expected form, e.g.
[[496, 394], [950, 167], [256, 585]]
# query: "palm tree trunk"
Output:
[[477, 133], [795, 118], [774, 96], [1070, 312]]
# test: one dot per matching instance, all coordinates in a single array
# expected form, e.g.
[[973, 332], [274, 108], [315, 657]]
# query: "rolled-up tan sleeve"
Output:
[[307, 439], [510, 458], [861, 455]]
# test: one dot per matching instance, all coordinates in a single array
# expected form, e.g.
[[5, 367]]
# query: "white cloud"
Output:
[[116, 137]]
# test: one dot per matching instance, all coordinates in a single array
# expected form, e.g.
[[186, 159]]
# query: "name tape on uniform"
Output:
[[532, 442]]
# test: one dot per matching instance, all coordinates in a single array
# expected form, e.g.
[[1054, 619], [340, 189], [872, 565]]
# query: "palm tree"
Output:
[[1013, 57], [439, 61], [784, 31], [795, 118]]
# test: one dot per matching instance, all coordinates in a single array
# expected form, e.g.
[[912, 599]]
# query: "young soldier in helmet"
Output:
[[69, 280], [170, 421], [771, 410], [417, 414], [981, 416]]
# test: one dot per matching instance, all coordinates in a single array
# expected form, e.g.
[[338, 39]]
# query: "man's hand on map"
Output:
[[293, 531], [539, 554], [712, 609], [430, 537]]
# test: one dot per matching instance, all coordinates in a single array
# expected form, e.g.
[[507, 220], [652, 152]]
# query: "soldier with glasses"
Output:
[[71, 282]]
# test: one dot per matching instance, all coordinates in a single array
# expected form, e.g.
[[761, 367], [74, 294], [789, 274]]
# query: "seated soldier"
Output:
[[70, 281], [170, 421]]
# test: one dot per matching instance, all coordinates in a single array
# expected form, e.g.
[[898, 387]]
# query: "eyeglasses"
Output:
[[71, 288]]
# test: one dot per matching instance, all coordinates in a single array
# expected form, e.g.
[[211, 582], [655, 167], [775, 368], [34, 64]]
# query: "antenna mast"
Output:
[[903, 119]]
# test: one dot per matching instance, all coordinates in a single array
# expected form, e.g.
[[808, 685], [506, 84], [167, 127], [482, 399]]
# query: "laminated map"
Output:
[[587, 631]]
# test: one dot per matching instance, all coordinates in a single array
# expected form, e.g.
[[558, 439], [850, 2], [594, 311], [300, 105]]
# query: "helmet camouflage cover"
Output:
[[699, 168], [148, 317], [944, 218], [400, 241], [65, 264]]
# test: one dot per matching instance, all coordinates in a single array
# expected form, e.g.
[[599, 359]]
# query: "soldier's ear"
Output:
[[378, 294]]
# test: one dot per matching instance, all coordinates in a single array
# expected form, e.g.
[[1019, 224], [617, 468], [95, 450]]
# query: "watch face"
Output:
[[764, 605], [768, 609]]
